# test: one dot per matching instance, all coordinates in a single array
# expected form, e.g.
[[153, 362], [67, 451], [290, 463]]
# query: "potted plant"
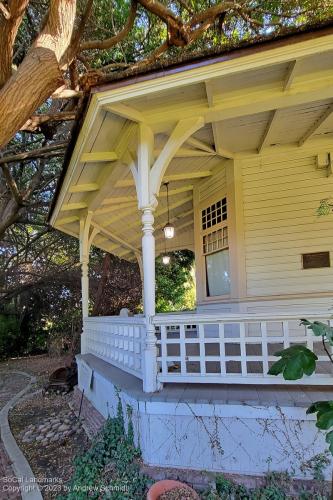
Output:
[[171, 490]]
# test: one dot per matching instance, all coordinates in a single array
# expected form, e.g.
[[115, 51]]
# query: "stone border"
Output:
[[26, 479]]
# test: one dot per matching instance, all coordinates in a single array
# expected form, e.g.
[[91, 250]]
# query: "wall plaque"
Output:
[[315, 260]]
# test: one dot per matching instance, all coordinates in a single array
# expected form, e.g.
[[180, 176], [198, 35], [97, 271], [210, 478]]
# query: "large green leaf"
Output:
[[295, 362], [320, 407], [319, 329], [325, 420]]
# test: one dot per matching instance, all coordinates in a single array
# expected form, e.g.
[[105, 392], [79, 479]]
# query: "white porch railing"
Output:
[[207, 348], [117, 340], [238, 349]]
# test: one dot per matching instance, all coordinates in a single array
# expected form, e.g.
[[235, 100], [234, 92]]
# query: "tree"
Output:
[[175, 289], [53, 51], [297, 361]]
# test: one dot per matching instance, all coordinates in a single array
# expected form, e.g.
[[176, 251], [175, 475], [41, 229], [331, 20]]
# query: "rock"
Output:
[[63, 428], [49, 435], [45, 442], [39, 438]]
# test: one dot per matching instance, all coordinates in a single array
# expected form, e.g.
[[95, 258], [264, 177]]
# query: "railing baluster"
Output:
[[164, 350], [285, 329], [242, 348], [183, 369], [264, 346], [202, 349], [222, 349]]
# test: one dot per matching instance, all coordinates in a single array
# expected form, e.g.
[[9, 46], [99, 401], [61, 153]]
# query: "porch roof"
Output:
[[256, 102]]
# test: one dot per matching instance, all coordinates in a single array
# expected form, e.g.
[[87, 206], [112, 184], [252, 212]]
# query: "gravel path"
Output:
[[11, 383]]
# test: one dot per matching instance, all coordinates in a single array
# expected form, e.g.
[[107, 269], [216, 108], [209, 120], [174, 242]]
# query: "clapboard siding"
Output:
[[214, 185], [280, 198]]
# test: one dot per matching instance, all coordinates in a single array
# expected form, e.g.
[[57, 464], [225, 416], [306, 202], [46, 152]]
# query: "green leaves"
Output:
[[324, 410], [295, 362], [319, 329]]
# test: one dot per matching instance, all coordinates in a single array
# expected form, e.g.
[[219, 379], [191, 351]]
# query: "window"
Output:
[[215, 247], [217, 273], [214, 214]]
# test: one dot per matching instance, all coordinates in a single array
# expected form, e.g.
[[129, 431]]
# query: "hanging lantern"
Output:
[[169, 230], [166, 259]]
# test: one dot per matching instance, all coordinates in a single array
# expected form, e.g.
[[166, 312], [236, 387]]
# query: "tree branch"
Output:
[[5, 12], [8, 31], [326, 350], [11, 184], [34, 123], [55, 149], [110, 42]]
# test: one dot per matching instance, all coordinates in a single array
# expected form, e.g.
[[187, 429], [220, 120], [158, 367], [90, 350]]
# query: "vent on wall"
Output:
[[316, 260]]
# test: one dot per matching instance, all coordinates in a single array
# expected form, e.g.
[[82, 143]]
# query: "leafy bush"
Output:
[[10, 344], [277, 486], [110, 468]]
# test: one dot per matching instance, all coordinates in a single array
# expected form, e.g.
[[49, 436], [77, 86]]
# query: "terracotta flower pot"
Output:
[[166, 485]]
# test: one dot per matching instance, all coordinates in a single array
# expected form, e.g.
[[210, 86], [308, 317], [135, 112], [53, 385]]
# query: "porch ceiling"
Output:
[[250, 105]]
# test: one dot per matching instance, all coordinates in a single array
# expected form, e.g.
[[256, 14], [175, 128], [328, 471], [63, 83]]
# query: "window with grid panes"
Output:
[[215, 248]]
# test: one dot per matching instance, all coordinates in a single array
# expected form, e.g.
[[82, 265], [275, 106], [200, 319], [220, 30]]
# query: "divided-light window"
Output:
[[215, 248]]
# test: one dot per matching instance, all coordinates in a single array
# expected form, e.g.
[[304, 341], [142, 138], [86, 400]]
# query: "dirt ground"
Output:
[[40, 366], [52, 464]]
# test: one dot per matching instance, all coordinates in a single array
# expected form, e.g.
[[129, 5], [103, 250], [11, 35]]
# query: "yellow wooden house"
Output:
[[242, 143]]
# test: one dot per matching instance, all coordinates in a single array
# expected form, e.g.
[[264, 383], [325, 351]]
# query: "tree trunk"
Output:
[[40, 74]]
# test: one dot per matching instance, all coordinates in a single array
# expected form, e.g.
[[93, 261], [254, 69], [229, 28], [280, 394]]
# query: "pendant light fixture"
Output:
[[169, 230], [165, 256], [166, 259]]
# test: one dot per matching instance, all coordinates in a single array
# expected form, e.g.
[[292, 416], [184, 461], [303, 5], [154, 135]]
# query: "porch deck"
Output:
[[224, 393]]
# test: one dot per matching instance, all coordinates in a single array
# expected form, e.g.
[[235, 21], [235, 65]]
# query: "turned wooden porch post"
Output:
[[147, 205], [148, 260], [85, 244]]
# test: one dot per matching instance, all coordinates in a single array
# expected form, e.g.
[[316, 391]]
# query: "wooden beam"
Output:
[[115, 238], [316, 125], [99, 157], [290, 75], [196, 143], [232, 105], [187, 153], [125, 112], [67, 220], [123, 200], [160, 238], [268, 131], [159, 226], [182, 131], [83, 188], [114, 208], [110, 174], [171, 178], [73, 206], [219, 148], [119, 200]]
